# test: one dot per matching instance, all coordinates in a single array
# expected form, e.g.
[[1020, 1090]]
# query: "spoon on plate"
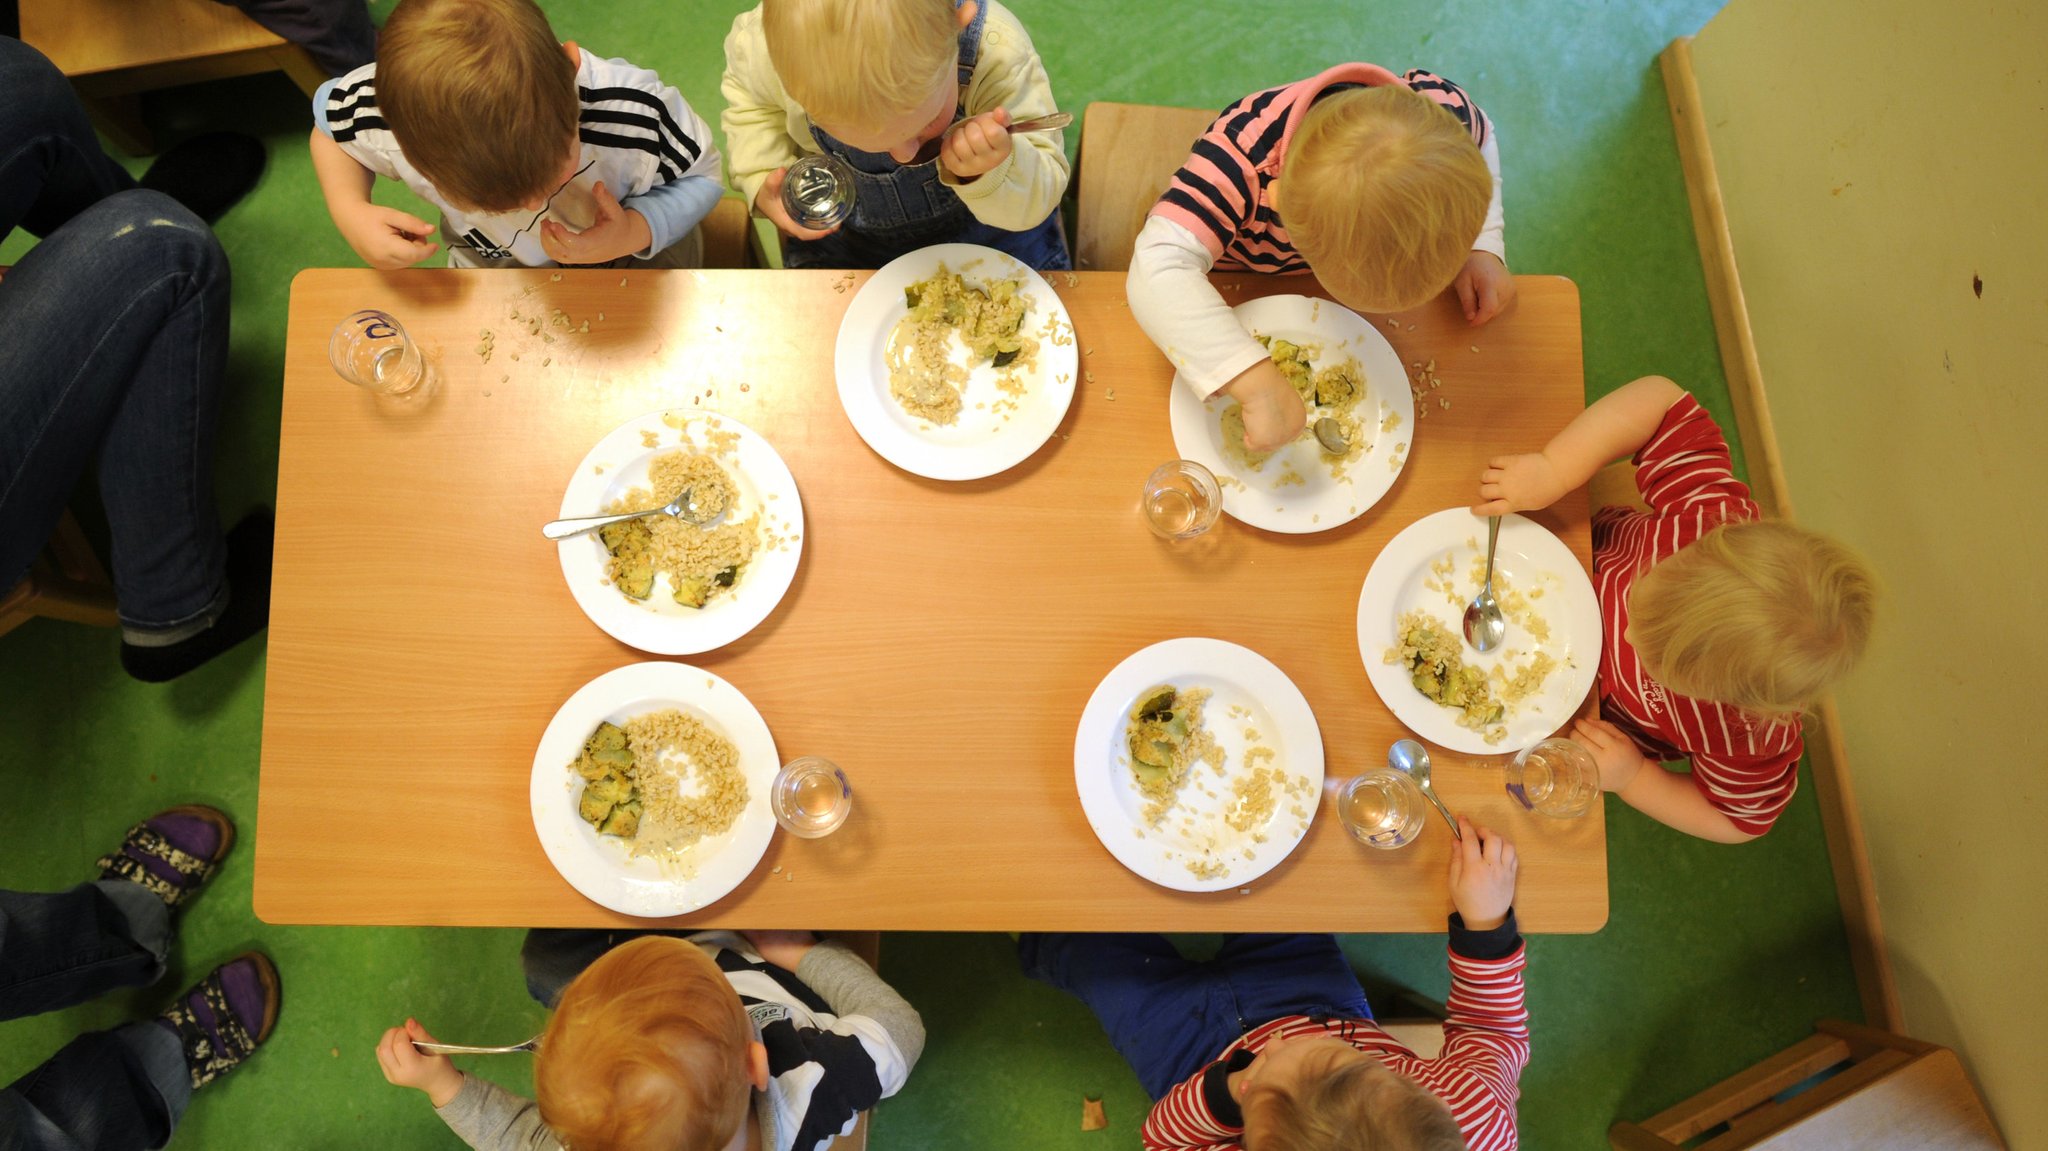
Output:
[[680, 507], [426, 1048], [1485, 627], [1409, 756], [1330, 434]]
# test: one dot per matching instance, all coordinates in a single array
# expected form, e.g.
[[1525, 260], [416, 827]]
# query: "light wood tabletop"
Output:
[[422, 635]]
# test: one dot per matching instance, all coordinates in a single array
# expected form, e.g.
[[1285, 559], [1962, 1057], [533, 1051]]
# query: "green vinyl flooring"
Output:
[[1713, 957]]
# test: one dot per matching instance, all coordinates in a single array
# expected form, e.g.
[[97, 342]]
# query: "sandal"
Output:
[[172, 853], [223, 1018]]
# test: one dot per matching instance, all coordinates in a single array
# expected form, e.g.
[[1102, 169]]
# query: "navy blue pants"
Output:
[[1169, 1016]]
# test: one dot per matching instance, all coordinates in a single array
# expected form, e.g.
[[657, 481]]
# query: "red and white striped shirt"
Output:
[[1486, 1045], [1747, 768]]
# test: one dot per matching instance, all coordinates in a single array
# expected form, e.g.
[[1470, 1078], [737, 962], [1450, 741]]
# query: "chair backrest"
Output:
[[1129, 152]]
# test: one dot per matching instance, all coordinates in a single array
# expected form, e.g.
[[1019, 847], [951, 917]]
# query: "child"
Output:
[[879, 84], [536, 152], [1270, 1046], [1391, 194], [683, 1043], [1721, 629]]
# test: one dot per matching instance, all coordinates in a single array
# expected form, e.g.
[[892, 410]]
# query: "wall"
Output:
[[1885, 170]]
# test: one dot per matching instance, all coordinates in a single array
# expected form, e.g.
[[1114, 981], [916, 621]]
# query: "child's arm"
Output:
[[383, 237], [1200, 1113], [1486, 1033], [1665, 796], [758, 144], [1616, 425], [1009, 182], [858, 996], [677, 187], [482, 1114], [1485, 287]]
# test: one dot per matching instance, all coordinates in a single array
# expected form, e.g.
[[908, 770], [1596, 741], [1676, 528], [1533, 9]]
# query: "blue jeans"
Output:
[[116, 339], [1169, 1016], [109, 1090], [336, 33]]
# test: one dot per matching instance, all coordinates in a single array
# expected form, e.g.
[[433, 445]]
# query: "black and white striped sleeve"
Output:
[[629, 108], [345, 109]]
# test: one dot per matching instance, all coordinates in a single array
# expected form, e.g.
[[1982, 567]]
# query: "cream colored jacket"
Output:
[[766, 130]]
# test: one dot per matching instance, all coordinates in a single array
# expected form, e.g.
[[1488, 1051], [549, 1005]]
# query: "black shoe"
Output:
[[248, 611], [208, 173]]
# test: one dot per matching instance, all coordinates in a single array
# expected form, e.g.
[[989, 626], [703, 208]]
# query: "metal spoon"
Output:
[[678, 507], [1048, 123], [1330, 434], [426, 1048], [1409, 756], [1484, 625]]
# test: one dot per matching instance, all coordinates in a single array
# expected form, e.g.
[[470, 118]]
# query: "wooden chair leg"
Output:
[[119, 119], [297, 63]]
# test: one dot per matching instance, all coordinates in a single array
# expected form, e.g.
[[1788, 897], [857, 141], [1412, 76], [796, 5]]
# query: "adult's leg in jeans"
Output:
[[337, 33], [68, 947], [1274, 976], [51, 165], [119, 1090], [1166, 1015], [120, 322]]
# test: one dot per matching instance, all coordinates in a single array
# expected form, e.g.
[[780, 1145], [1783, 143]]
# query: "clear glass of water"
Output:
[[1182, 500], [817, 191], [1557, 778], [371, 349], [1382, 808], [810, 797]]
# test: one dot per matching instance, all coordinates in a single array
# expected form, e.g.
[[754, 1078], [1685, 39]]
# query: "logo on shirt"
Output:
[[484, 247], [766, 1013]]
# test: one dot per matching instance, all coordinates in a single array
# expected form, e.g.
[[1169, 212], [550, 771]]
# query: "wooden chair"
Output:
[[727, 235], [1129, 152], [1894, 1094], [867, 945], [65, 582], [113, 50]]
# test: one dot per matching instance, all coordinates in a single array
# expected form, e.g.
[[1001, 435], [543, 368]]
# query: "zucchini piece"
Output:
[[1005, 359], [624, 821], [725, 578], [636, 579], [594, 808], [692, 591]]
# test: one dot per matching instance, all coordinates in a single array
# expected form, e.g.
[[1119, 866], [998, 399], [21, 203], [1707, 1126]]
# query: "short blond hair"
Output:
[[1763, 616], [647, 1051], [858, 64], [481, 98], [1383, 193], [1355, 1104]]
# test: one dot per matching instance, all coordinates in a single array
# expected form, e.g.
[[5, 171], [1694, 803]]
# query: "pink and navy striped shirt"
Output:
[[1747, 768], [1222, 193]]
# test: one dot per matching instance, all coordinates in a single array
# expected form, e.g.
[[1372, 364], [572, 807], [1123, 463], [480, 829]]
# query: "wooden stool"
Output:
[[1894, 1093], [728, 235], [65, 582], [113, 50], [1136, 149]]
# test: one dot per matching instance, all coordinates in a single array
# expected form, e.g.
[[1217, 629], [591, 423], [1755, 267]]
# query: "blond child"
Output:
[[670, 1042], [916, 96], [535, 151], [1721, 628], [1386, 187], [1270, 1046]]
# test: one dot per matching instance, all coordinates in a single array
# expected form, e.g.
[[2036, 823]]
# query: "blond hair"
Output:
[[1763, 616], [481, 98], [647, 1051], [1383, 193], [1357, 1104], [858, 64]]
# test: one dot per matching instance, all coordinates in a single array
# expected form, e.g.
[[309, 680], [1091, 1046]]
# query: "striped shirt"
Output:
[[1486, 1045], [1223, 193], [1746, 768]]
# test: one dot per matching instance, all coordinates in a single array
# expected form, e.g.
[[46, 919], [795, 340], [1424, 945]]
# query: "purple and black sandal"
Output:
[[224, 1017], [172, 853]]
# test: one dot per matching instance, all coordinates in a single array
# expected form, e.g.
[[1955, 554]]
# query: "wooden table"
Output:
[[421, 634]]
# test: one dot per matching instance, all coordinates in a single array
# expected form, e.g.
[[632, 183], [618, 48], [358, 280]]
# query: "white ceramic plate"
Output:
[[1321, 500], [659, 624], [1528, 559], [598, 865], [983, 441], [1250, 695]]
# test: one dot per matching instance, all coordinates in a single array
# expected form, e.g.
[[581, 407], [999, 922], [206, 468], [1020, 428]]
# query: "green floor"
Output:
[[1713, 957]]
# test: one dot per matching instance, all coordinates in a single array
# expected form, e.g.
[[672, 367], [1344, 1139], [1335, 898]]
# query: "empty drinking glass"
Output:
[[817, 191], [1182, 499], [1556, 777], [810, 797], [1382, 808], [371, 349]]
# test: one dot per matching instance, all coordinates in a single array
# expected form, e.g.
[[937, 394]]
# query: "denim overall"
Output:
[[899, 208]]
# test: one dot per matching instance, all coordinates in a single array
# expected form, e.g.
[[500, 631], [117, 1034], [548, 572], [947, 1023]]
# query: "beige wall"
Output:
[[1875, 156]]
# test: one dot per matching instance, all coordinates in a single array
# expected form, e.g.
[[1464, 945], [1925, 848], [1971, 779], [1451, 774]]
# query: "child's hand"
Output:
[[1484, 287], [1518, 483], [785, 949], [768, 202], [1483, 867], [977, 145], [1613, 752], [385, 237], [1273, 412], [405, 1066], [616, 232]]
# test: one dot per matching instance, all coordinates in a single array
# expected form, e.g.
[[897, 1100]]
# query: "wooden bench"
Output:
[[1129, 153]]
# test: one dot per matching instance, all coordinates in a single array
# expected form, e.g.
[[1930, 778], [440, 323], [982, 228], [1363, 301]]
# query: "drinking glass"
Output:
[[810, 797], [817, 191], [1382, 808], [1182, 500], [371, 349], [1557, 778]]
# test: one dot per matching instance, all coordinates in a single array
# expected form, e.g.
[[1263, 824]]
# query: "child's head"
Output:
[[1764, 616], [1319, 1093], [1383, 193], [880, 75], [482, 99], [648, 1049]]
